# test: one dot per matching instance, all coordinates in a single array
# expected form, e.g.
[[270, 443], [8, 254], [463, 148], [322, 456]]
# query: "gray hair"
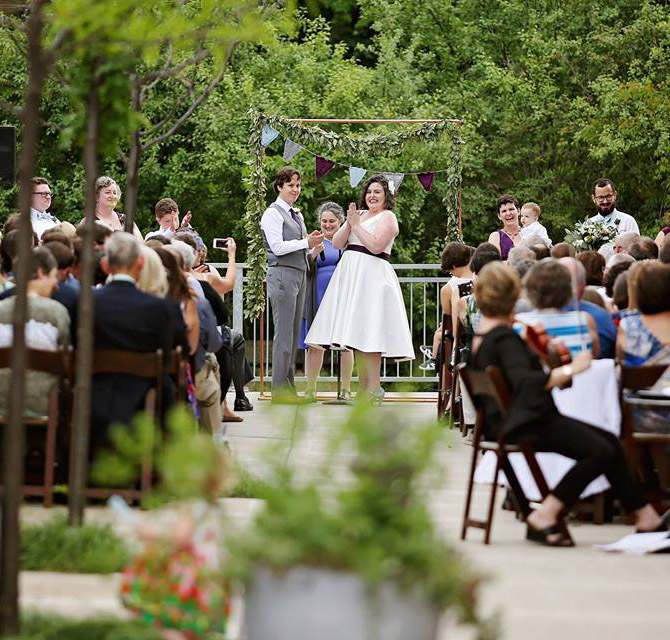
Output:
[[123, 249], [102, 183], [334, 208], [519, 254], [625, 239], [522, 267], [186, 252], [618, 258]]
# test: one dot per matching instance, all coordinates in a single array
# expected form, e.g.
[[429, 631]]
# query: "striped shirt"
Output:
[[571, 327]]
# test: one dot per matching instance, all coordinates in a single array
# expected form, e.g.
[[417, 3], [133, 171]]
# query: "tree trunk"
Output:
[[84, 363], [133, 163], [14, 436]]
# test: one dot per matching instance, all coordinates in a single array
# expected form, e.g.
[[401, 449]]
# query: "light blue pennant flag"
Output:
[[356, 175], [268, 134]]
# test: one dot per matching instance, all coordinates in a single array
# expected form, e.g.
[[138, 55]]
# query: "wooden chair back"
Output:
[[58, 363]]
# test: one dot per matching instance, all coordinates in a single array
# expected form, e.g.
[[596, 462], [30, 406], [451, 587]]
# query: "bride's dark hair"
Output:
[[389, 198]]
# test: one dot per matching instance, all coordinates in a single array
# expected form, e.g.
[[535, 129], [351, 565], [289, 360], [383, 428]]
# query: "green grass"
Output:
[[42, 627], [54, 546], [248, 486]]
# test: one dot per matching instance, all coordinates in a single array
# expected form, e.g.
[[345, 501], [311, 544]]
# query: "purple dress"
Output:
[[506, 244]]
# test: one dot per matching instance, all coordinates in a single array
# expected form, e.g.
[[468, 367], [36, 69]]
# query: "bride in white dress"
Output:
[[363, 308]]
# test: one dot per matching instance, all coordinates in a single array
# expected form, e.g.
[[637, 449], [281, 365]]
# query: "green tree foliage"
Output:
[[553, 95]]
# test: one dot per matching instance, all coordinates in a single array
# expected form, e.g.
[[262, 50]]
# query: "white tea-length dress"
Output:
[[363, 307]]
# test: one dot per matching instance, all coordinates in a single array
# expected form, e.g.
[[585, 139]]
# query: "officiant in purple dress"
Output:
[[322, 262], [509, 236]]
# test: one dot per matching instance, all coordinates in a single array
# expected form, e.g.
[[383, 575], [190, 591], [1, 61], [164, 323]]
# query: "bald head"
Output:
[[623, 241], [577, 274]]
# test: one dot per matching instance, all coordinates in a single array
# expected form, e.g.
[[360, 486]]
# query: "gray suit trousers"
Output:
[[286, 290]]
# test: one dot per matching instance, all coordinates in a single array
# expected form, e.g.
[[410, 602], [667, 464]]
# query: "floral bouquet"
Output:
[[590, 235]]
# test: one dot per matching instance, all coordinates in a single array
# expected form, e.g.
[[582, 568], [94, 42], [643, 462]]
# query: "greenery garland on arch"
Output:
[[316, 138]]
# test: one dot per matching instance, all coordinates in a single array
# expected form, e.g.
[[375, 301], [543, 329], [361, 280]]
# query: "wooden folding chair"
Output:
[[491, 383], [143, 365], [57, 363], [635, 379]]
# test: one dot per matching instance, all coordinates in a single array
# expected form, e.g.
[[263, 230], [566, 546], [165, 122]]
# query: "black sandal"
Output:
[[541, 536]]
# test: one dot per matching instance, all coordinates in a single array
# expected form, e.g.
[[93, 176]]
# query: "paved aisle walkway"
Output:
[[543, 593]]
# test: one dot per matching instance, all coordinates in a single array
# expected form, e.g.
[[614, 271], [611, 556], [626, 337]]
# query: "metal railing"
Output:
[[422, 302]]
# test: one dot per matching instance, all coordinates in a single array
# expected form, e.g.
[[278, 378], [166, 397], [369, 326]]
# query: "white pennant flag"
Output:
[[290, 149], [394, 180], [268, 134], [356, 175]]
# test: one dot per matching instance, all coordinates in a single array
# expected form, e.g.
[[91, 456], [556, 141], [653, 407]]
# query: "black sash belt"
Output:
[[361, 249]]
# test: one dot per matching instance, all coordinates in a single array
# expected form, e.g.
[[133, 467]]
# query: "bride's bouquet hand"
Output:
[[353, 216]]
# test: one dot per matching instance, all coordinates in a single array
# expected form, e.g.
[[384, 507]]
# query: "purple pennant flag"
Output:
[[323, 166], [426, 179]]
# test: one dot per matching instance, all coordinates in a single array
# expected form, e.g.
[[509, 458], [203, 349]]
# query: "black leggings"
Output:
[[233, 363], [595, 451]]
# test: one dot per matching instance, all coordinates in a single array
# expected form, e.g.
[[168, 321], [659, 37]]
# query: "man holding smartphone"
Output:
[[286, 242]]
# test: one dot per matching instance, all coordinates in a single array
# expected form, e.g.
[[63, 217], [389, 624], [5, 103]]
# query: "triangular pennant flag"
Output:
[[290, 149], [394, 180], [268, 134], [426, 179], [356, 175], [323, 166]]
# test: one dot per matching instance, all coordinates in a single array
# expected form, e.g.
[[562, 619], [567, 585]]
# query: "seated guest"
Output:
[[602, 319], [47, 328], [664, 253], [548, 286], [533, 417], [620, 296], [645, 333], [643, 248], [562, 250], [66, 228], [541, 251], [594, 264], [591, 295], [8, 251], [65, 293], [664, 232], [644, 336], [56, 236], [101, 233], [520, 253], [623, 241], [125, 319], [157, 241]]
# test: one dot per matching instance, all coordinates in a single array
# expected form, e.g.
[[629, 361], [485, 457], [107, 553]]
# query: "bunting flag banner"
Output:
[[356, 175], [290, 149], [323, 166], [426, 179], [268, 134], [395, 179]]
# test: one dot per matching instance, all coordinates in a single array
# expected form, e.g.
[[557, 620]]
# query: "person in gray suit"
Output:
[[286, 242]]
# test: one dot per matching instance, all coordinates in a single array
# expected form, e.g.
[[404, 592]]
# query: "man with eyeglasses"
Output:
[[40, 201], [604, 197]]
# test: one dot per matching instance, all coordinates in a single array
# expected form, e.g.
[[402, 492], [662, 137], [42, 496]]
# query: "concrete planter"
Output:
[[320, 604]]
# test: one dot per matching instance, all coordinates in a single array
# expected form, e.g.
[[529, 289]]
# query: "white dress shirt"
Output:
[[272, 224], [167, 232], [41, 222], [625, 222], [535, 229]]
